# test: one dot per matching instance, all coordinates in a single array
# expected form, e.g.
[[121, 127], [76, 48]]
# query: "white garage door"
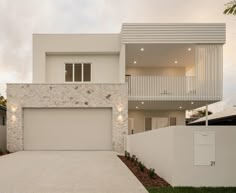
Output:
[[67, 129]]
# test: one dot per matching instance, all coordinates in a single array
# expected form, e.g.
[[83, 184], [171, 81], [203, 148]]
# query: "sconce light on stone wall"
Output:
[[13, 109]]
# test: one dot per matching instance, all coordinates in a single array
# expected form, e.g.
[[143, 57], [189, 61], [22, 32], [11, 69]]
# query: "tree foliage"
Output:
[[200, 113], [3, 101], [230, 8]]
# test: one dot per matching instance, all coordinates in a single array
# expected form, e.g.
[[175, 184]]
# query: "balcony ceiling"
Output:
[[160, 55]]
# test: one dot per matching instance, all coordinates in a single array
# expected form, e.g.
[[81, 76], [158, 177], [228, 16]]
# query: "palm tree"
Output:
[[230, 8]]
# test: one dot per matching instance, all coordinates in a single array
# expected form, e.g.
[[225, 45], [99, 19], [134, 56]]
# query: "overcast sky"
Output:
[[19, 19]]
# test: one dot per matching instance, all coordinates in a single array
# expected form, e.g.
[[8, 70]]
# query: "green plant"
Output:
[[136, 161], [151, 172], [230, 8], [126, 153], [8, 152], [128, 156], [3, 101], [133, 158], [141, 166]]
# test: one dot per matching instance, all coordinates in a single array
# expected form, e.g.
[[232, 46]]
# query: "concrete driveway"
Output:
[[66, 172]]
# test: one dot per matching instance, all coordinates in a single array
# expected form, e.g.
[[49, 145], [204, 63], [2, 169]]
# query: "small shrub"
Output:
[[133, 158], [1, 152], [128, 156], [136, 161], [8, 152], [126, 153], [141, 166], [151, 172]]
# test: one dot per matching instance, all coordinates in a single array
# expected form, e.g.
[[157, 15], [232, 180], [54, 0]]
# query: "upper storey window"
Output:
[[78, 72]]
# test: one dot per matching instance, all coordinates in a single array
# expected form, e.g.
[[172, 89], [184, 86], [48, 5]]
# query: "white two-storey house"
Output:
[[91, 90]]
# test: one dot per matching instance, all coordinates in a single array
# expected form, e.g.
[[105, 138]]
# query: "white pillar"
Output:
[[206, 114], [122, 64]]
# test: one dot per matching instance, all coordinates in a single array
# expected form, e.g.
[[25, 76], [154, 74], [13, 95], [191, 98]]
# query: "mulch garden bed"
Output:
[[143, 176]]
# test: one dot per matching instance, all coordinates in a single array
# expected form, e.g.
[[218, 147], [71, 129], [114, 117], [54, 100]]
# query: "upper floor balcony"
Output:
[[174, 72], [174, 88]]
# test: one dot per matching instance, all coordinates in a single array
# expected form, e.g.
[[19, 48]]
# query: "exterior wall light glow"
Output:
[[180, 107], [176, 62], [135, 62], [136, 107], [192, 103], [142, 102], [119, 109], [142, 49], [13, 118], [120, 118], [189, 49], [13, 109]]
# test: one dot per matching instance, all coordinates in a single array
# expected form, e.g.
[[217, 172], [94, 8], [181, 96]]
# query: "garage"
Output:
[[67, 128]]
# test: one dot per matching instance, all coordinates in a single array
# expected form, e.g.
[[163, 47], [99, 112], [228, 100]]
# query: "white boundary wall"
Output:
[[3, 138], [171, 152]]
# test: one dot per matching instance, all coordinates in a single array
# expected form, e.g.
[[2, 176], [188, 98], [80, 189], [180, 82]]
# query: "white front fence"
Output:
[[175, 154]]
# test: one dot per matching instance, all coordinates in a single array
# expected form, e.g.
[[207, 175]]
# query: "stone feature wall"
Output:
[[21, 96]]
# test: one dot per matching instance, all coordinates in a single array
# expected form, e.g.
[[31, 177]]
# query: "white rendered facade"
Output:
[[148, 75]]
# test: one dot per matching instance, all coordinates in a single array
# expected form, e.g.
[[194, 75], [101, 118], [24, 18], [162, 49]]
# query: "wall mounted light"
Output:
[[176, 62], [142, 49], [136, 107], [120, 108], [13, 108], [189, 49], [13, 118], [120, 118], [180, 107], [135, 62], [192, 103], [142, 102]]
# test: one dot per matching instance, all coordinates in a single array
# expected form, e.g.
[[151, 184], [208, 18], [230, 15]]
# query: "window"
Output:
[[87, 72], [69, 72], [78, 72], [148, 123]]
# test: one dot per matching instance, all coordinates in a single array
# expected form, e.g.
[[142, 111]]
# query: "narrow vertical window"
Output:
[[148, 123], [69, 72], [87, 72], [78, 72]]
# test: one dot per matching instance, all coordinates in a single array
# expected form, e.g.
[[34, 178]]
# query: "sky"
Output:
[[20, 19]]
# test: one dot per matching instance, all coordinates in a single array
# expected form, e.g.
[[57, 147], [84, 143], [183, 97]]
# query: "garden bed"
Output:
[[144, 176]]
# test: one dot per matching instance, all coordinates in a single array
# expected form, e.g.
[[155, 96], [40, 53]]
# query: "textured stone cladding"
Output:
[[22, 96]]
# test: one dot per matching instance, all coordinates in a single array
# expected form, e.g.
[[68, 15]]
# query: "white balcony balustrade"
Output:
[[171, 88]]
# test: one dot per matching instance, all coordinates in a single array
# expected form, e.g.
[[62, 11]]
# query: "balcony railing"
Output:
[[170, 88]]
